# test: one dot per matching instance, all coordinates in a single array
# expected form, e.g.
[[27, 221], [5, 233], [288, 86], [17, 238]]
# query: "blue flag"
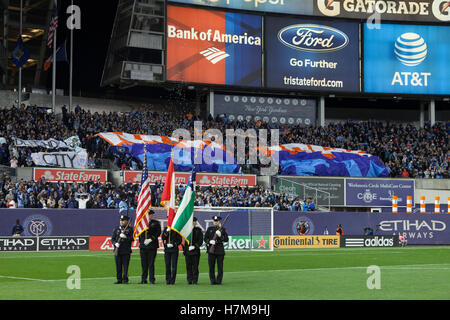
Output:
[[20, 55]]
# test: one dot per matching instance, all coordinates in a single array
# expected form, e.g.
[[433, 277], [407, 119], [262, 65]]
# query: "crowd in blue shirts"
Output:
[[408, 151], [95, 195]]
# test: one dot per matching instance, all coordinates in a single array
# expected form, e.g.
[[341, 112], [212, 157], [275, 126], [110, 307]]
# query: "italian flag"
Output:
[[182, 222]]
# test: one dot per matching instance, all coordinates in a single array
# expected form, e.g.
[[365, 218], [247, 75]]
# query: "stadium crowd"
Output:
[[96, 195], [406, 150]]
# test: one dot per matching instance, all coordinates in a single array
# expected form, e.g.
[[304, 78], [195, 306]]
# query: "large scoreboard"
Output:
[[351, 46]]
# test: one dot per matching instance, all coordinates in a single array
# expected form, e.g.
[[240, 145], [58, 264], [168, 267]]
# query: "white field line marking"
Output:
[[406, 266], [307, 252]]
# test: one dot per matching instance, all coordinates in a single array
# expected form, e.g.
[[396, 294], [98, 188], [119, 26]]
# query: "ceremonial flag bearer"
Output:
[[192, 253], [148, 245], [122, 239], [216, 236]]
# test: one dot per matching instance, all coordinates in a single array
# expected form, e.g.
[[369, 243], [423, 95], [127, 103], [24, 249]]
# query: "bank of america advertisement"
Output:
[[407, 59], [312, 55], [214, 47]]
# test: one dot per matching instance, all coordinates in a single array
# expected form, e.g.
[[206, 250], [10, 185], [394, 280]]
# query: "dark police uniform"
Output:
[[123, 251], [219, 251], [17, 229], [193, 256], [171, 254], [148, 252]]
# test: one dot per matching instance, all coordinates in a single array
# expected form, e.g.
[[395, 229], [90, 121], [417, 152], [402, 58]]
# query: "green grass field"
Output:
[[319, 274]]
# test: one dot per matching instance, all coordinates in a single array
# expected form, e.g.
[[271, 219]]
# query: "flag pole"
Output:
[[54, 68], [71, 66], [19, 99]]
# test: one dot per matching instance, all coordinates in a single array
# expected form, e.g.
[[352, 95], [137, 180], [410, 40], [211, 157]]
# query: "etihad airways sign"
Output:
[[378, 10]]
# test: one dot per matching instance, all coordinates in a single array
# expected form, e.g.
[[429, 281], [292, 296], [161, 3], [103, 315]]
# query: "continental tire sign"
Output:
[[303, 242], [369, 241]]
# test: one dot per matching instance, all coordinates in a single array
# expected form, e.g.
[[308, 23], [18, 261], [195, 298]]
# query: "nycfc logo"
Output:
[[410, 49], [313, 38], [308, 223], [37, 225]]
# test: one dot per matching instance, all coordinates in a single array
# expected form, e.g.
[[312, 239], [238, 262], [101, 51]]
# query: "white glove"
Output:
[[169, 245], [191, 248], [123, 236], [168, 229], [212, 241], [117, 244], [147, 241], [219, 234]]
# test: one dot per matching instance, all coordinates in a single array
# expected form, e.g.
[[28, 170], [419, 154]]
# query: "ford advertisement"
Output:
[[406, 59], [312, 55]]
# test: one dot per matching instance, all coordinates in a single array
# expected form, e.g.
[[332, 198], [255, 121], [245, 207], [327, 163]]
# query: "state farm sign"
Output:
[[202, 179], [70, 175]]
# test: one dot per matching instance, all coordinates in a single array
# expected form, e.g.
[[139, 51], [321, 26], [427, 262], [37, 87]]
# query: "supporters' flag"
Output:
[[168, 196], [144, 203], [53, 24], [20, 54], [182, 222], [61, 55]]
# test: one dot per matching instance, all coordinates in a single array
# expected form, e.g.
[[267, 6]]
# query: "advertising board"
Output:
[[406, 59], [214, 47], [312, 54]]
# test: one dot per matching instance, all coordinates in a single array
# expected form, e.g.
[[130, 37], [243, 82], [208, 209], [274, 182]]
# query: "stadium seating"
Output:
[[406, 150]]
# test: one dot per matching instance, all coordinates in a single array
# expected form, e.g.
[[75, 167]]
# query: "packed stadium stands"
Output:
[[95, 195], [406, 150]]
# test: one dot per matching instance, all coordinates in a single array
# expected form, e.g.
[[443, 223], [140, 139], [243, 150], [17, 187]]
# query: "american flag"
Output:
[[53, 25], [144, 201]]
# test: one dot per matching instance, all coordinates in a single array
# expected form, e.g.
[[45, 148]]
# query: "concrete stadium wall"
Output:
[[9, 98]]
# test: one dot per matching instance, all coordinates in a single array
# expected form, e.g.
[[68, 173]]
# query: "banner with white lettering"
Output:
[[48, 144], [66, 159]]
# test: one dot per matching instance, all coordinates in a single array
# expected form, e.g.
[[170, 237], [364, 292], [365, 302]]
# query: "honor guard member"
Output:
[[17, 229], [171, 240], [122, 239], [148, 245], [192, 253], [216, 236]]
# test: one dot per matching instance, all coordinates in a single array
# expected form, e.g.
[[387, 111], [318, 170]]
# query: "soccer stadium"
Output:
[[215, 150]]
